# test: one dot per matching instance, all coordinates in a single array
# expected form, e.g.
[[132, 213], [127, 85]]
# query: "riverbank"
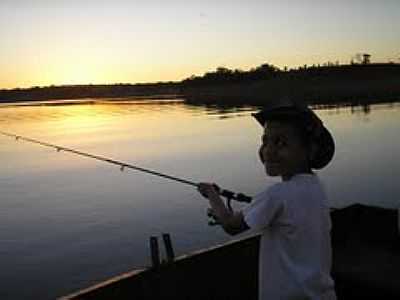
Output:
[[358, 84]]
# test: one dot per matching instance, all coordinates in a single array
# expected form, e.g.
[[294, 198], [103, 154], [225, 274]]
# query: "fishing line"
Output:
[[226, 193]]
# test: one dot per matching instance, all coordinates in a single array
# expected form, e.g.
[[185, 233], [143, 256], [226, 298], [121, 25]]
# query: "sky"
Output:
[[57, 42]]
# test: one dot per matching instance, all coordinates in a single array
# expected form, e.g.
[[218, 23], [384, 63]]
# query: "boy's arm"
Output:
[[232, 222]]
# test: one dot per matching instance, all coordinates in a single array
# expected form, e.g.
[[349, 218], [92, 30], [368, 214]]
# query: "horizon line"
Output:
[[319, 65]]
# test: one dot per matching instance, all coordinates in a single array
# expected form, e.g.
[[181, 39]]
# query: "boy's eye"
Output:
[[280, 142], [276, 141]]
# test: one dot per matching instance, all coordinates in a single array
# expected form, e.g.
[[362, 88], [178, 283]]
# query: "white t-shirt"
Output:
[[295, 247]]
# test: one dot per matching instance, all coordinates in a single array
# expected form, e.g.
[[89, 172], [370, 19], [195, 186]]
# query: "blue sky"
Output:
[[80, 42]]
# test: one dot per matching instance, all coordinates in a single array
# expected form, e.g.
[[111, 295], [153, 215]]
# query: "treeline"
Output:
[[89, 91], [324, 83], [330, 83], [222, 75], [267, 71]]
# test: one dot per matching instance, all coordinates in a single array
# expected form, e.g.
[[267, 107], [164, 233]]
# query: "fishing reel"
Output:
[[229, 196]]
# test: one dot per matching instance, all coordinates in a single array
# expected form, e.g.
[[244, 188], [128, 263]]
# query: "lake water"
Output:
[[67, 222]]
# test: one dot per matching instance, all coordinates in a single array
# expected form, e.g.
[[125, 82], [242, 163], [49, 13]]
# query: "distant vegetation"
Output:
[[223, 75], [330, 82], [327, 83], [89, 91]]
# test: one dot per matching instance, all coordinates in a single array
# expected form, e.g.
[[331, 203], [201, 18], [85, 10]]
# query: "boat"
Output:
[[366, 265]]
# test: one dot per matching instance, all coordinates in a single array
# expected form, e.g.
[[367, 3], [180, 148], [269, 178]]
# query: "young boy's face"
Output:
[[282, 151]]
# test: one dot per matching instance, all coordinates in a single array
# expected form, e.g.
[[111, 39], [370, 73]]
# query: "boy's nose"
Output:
[[266, 153], [270, 152], [261, 154]]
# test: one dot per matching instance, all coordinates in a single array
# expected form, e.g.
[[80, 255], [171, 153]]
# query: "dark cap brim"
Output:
[[266, 114], [326, 149]]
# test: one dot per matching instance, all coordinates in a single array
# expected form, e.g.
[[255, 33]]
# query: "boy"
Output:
[[292, 215]]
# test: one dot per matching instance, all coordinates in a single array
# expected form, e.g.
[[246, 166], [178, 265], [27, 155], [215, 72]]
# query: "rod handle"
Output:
[[243, 198], [232, 195], [238, 197]]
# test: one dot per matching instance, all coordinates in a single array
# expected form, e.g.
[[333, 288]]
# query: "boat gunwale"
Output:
[[137, 272]]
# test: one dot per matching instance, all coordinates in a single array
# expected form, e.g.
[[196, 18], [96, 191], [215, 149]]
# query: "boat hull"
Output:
[[366, 264]]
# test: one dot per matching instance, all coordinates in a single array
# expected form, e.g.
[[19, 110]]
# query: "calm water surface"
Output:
[[67, 222]]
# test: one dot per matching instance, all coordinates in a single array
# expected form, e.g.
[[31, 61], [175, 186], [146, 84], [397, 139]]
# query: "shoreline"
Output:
[[361, 84], [208, 102]]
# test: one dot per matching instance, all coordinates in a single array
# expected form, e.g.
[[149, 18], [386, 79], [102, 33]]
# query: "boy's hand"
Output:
[[208, 190]]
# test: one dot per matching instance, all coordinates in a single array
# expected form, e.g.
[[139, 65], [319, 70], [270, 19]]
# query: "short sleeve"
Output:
[[264, 208]]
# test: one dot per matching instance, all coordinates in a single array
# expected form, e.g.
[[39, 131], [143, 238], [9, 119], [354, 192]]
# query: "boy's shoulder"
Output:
[[299, 187], [295, 184]]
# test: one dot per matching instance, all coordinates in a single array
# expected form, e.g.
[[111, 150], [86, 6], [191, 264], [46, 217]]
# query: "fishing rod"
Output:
[[229, 195]]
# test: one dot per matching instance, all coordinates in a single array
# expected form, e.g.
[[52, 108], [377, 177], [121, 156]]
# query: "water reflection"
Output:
[[170, 130], [60, 214]]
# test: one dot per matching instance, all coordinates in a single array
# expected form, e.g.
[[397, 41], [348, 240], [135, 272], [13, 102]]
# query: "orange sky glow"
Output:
[[93, 42]]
